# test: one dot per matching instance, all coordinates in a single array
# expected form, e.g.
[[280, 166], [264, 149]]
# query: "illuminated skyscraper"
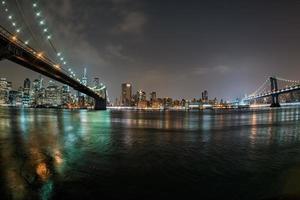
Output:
[[53, 95], [126, 94], [84, 78], [4, 91], [141, 95], [26, 92]]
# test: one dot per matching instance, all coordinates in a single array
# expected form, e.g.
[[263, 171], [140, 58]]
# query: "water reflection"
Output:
[[37, 144], [47, 154]]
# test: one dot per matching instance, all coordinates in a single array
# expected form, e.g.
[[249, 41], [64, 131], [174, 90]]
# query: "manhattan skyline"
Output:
[[175, 48]]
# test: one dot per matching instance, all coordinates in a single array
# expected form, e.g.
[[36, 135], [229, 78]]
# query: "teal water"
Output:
[[61, 154]]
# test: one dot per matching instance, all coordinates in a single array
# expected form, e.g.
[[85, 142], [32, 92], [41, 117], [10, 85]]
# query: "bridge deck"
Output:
[[16, 51], [278, 92]]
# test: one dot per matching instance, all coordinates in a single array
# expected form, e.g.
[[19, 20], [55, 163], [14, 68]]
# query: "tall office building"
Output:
[[26, 92], [141, 95], [36, 85], [27, 83], [126, 94], [84, 78], [153, 96], [205, 96], [52, 95], [4, 91]]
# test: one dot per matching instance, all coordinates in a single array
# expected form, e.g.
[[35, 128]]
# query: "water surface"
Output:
[[61, 154]]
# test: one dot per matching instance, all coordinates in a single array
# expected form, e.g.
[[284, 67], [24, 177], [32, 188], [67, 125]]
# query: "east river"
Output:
[[62, 154]]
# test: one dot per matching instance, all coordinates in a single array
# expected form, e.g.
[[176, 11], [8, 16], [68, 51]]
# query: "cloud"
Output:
[[132, 18], [116, 51], [133, 22], [220, 69], [70, 36], [65, 8]]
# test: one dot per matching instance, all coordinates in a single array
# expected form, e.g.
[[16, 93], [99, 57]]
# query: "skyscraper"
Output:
[[26, 92], [152, 96], [205, 96], [4, 91], [52, 95], [141, 95], [36, 84], [27, 84], [126, 94], [84, 78]]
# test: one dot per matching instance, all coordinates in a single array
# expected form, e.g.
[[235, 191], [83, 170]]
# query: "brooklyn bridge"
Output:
[[19, 51]]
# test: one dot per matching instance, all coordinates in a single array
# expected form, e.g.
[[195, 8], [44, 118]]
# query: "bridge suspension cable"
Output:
[[17, 28], [12, 20], [260, 88], [289, 81], [41, 21], [46, 32], [31, 32]]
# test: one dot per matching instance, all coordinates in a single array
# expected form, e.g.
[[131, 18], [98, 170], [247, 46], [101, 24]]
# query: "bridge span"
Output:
[[274, 91], [15, 50]]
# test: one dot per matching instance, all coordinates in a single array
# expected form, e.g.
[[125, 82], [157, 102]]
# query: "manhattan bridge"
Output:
[[19, 43], [272, 89]]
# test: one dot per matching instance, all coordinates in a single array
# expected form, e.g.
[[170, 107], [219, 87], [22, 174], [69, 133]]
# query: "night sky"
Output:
[[177, 48]]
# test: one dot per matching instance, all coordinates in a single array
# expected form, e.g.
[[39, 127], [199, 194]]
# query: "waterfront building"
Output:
[[52, 95], [5, 87], [15, 98], [142, 104], [26, 92], [167, 102], [65, 96]]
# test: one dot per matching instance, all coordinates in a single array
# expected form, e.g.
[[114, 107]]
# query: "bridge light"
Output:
[[45, 30], [64, 62], [49, 37], [14, 38], [34, 5], [3, 2], [58, 54], [6, 10], [38, 14], [42, 22], [26, 42], [18, 30], [14, 24], [40, 55], [56, 66]]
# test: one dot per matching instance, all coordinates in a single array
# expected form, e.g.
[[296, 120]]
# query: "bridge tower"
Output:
[[274, 88], [100, 103]]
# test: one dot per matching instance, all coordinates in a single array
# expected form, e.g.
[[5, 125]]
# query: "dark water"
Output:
[[56, 154]]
